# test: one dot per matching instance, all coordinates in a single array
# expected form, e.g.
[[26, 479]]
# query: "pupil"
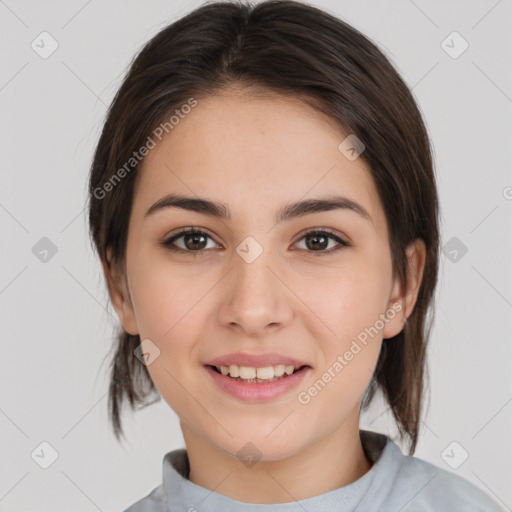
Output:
[[194, 237], [316, 244]]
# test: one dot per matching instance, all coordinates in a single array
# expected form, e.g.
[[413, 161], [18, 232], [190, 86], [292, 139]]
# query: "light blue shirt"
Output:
[[396, 482]]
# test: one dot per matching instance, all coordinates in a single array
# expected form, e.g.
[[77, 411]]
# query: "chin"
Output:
[[254, 447]]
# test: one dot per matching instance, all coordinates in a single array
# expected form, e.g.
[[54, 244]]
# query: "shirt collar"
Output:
[[182, 494]]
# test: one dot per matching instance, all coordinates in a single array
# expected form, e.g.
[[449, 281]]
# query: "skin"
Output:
[[255, 154]]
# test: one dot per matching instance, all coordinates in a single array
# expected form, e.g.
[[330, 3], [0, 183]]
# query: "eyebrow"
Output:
[[289, 211]]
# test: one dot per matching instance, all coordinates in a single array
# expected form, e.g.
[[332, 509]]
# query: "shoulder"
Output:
[[155, 501], [409, 483], [174, 468], [421, 483]]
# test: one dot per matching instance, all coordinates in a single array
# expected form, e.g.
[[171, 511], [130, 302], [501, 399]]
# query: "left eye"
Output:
[[194, 240], [320, 241]]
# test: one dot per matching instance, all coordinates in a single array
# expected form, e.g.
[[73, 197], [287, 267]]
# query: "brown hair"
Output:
[[295, 49]]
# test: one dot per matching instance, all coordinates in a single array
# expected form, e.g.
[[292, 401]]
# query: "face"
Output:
[[308, 289]]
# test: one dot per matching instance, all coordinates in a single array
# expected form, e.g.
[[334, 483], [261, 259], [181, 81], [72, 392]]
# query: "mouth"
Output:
[[261, 375]]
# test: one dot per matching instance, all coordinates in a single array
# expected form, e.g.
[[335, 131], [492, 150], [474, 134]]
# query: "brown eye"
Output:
[[318, 242], [193, 240]]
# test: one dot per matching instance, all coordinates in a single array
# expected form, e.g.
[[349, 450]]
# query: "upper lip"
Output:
[[256, 360]]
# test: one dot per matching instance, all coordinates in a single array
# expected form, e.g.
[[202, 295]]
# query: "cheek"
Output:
[[166, 300], [170, 312], [350, 349], [348, 302], [351, 307]]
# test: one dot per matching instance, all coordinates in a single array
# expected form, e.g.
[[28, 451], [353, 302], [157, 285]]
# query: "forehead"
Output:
[[254, 153]]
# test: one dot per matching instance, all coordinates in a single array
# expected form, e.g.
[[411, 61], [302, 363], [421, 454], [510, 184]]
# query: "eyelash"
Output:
[[168, 242]]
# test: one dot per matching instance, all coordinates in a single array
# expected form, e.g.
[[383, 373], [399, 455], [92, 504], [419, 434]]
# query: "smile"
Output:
[[256, 384], [252, 374]]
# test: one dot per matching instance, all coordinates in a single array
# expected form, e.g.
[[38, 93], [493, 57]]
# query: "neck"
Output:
[[334, 461]]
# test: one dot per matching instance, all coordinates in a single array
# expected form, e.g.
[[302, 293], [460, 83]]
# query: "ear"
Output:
[[119, 295], [403, 300]]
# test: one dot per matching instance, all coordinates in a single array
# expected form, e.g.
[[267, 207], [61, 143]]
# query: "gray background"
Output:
[[56, 321]]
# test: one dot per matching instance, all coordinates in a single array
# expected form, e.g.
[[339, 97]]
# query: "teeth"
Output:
[[265, 373], [279, 370], [251, 373], [246, 372]]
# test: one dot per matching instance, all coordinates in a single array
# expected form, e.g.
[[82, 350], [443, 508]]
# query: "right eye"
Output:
[[193, 240]]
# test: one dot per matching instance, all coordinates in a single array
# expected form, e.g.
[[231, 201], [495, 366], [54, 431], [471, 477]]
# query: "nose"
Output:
[[255, 299]]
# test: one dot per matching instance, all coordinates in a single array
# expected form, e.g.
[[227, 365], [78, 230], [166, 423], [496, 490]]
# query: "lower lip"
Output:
[[257, 391]]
